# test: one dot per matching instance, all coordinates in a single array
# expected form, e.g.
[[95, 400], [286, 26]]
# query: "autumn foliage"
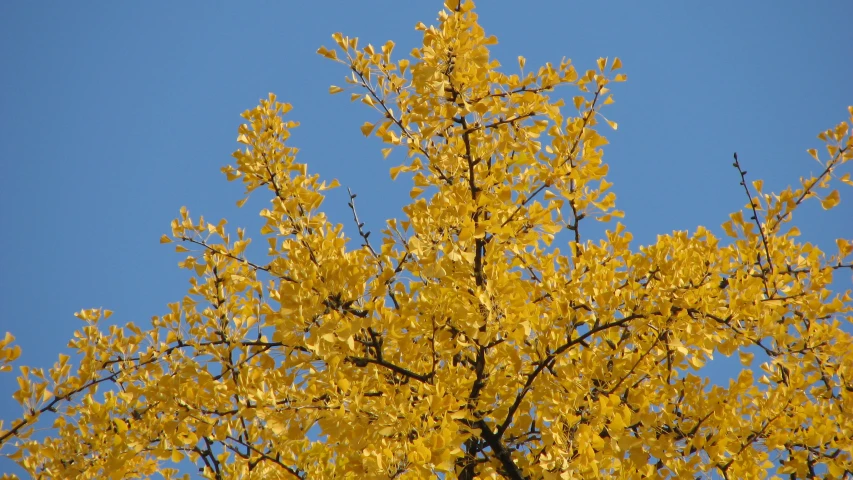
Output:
[[465, 341]]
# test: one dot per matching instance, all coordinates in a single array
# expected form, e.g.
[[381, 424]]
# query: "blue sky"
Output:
[[114, 115]]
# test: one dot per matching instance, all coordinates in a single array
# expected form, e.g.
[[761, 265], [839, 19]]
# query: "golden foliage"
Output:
[[463, 343]]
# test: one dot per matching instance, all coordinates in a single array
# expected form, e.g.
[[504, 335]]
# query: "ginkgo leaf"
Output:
[[813, 153], [617, 64], [844, 247], [120, 425], [831, 200], [331, 54]]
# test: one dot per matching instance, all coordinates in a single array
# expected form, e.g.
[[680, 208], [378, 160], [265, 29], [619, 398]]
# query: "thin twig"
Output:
[[742, 173], [359, 223]]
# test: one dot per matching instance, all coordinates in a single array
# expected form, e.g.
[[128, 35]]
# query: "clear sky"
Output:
[[115, 114]]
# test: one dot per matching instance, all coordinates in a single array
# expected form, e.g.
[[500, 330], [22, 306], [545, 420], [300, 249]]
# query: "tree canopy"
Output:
[[482, 335]]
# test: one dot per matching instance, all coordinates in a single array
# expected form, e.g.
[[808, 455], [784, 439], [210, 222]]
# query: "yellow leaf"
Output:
[[339, 39], [434, 270], [367, 128], [276, 426], [616, 422], [165, 239], [386, 152], [830, 200], [620, 78], [121, 426], [813, 153], [844, 247], [613, 124], [331, 54], [617, 64], [177, 456], [242, 202], [335, 89], [13, 353], [521, 62], [181, 249], [729, 228], [459, 414]]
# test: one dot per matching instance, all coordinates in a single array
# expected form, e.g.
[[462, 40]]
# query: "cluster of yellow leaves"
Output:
[[8, 352], [465, 343]]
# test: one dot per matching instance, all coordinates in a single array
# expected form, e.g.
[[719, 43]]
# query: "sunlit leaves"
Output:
[[485, 333], [8, 352]]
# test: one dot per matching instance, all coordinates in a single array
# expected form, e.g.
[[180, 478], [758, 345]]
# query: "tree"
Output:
[[465, 343]]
